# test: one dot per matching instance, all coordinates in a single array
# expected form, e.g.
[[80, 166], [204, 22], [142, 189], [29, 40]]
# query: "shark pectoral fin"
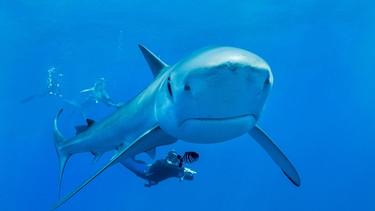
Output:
[[87, 90], [156, 64], [281, 160], [151, 153], [145, 141]]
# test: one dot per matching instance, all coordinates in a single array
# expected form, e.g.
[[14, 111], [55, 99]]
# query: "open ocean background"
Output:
[[321, 111]]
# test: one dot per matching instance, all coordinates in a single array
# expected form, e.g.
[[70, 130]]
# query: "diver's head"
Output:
[[172, 157]]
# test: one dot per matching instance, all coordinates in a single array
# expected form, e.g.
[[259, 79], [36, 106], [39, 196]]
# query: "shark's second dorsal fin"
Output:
[[156, 64]]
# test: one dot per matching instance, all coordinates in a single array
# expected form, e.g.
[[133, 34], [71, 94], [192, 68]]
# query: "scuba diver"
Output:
[[163, 169], [53, 86]]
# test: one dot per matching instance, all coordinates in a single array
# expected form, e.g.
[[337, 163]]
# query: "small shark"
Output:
[[98, 94], [211, 96]]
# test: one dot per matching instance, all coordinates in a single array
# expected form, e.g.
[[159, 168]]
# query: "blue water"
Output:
[[320, 111]]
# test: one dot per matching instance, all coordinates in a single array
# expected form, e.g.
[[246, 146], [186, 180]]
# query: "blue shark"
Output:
[[214, 95], [98, 94]]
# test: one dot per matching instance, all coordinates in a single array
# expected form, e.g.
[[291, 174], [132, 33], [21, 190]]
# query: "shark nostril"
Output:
[[186, 87], [232, 68]]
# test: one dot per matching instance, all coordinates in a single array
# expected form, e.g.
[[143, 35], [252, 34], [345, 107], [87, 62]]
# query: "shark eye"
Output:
[[267, 81], [266, 84], [169, 87]]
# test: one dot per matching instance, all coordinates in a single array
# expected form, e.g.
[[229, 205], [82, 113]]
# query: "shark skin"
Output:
[[214, 95]]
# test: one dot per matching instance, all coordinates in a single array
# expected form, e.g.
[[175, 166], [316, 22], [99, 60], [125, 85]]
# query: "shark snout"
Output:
[[225, 91], [228, 82]]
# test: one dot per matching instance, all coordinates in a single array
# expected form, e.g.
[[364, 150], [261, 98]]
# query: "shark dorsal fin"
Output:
[[155, 64], [89, 122]]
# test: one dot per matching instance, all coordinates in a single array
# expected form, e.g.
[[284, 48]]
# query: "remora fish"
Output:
[[211, 96]]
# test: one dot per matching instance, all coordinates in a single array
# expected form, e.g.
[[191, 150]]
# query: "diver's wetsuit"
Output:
[[156, 172]]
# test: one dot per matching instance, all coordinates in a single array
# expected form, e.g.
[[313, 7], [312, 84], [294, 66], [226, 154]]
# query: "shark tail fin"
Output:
[[63, 156]]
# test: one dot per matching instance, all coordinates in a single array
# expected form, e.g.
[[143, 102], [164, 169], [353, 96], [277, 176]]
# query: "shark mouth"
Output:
[[225, 119], [214, 130]]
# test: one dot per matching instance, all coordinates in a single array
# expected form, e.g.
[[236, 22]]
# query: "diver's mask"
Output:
[[172, 158]]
